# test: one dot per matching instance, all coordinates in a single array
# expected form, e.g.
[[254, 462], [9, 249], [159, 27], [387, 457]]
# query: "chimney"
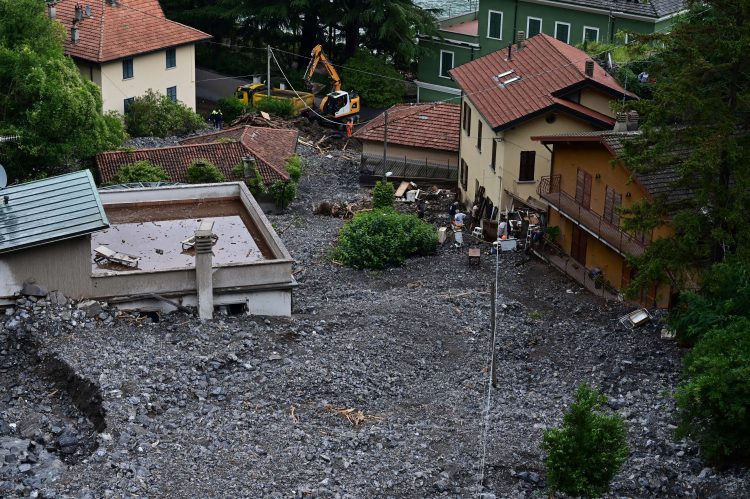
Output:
[[203, 269], [621, 123], [248, 167], [520, 37], [633, 119], [52, 10], [78, 12], [589, 69], [74, 33]]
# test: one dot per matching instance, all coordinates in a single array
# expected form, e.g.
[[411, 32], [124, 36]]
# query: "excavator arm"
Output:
[[318, 57]]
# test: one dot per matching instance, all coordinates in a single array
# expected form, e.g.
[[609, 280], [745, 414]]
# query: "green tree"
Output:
[[283, 193], [376, 92], [382, 194], [204, 172], [139, 171], [696, 128], [294, 167], [714, 399], [156, 115], [44, 100], [586, 452]]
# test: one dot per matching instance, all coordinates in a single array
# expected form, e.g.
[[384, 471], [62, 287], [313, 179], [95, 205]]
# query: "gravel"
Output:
[[266, 407]]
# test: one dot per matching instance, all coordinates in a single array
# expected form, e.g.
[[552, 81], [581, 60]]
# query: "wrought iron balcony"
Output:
[[590, 221]]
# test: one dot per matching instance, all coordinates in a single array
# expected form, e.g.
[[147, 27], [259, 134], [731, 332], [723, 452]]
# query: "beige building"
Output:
[[541, 86], [127, 47]]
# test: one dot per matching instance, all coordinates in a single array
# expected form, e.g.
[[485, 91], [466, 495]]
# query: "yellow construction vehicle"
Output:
[[254, 93], [338, 105]]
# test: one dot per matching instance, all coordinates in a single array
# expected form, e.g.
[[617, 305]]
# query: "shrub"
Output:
[[382, 194], [375, 92], [139, 171], [156, 115], [277, 107], [714, 400], [377, 238], [294, 167], [231, 108], [204, 172], [283, 193], [585, 453], [254, 181]]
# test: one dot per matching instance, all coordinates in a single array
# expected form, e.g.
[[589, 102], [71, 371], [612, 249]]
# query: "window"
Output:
[[495, 25], [494, 155], [612, 203], [479, 135], [127, 68], [562, 31], [590, 34], [126, 103], [171, 58], [172, 94], [533, 26], [526, 172], [464, 174], [446, 63], [467, 119]]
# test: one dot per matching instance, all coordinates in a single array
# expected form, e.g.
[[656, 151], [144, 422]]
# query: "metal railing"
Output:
[[402, 167], [593, 223]]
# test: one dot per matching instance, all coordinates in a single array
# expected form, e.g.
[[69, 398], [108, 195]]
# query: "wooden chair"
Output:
[[104, 253]]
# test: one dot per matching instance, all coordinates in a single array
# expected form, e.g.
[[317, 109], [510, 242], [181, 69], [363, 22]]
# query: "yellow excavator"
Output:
[[338, 105]]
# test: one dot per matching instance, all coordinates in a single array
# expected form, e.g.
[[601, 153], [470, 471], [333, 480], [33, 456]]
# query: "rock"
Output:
[[57, 298], [91, 308], [30, 288]]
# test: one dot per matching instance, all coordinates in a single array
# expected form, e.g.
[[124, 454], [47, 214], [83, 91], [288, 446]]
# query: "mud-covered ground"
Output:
[[257, 407]]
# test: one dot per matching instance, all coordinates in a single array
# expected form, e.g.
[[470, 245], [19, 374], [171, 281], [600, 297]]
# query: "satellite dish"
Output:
[[3, 178]]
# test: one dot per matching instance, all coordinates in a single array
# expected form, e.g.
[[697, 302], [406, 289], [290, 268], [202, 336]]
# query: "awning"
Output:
[[530, 202]]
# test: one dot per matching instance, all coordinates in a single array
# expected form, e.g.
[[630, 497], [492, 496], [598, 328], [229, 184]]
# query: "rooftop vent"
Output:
[[78, 16], [74, 33], [52, 10], [633, 119], [621, 124], [589, 69], [87, 10], [510, 77]]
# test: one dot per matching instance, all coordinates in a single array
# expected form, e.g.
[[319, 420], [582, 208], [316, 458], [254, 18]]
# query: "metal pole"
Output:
[[268, 75], [385, 142], [493, 369]]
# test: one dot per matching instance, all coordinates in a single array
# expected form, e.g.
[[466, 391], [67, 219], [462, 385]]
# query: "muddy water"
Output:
[[154, 232]]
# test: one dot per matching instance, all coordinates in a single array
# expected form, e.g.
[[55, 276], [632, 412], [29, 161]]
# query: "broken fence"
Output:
[[371, 169]]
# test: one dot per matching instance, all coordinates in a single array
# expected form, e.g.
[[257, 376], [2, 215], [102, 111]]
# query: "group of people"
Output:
[[458, 219], [216, 118]]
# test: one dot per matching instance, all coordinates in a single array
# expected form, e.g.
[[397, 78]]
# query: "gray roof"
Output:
[[649, 8], [49, 210]]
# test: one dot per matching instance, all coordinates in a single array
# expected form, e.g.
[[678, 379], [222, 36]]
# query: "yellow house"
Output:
[[585, 191], [127, 47], [538, 86]]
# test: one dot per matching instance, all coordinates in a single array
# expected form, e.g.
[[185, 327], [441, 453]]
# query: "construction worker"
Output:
[[219, 119], [215, 118], [349, 128]]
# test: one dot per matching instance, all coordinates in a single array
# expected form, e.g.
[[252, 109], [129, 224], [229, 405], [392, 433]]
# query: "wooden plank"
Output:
[[401, 189]]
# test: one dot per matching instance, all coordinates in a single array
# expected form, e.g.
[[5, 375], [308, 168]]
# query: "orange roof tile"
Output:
[[430, 126], [545, 68], [127, 28]]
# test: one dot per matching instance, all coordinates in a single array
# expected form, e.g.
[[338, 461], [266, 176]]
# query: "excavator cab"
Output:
[[339, 105]]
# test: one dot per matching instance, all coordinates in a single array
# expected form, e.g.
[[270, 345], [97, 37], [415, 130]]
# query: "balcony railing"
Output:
[[611, 235]]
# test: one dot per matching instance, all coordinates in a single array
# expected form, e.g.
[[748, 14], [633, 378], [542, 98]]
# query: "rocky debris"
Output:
[[242, 406], [30, 288]]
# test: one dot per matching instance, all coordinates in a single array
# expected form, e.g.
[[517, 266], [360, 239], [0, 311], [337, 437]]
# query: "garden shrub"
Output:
[[139, 171], [283, 193], [382, 194], [231, 108], [378, 238], [277, 107], [156, 115], [294, 167], [585, 453], [204, 172], [714, 399]]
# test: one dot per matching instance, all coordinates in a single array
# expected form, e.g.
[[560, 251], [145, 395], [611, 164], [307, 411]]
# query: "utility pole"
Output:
[[268, 75], [385, 143], [493, 369]]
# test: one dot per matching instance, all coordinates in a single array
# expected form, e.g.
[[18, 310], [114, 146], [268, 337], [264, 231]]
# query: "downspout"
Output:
[[515, 21], [460, 131], [611, 26]]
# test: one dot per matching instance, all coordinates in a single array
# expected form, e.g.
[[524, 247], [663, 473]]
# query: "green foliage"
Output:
[[294, 167], [44, 100], [204, 172], [382, 194], [586, 452], [139, 171], [277, 107], [156, 115], [231, 108], [378, 238], [724, 296], [283, 193], [375, 92], [552, 232], [714, 400]]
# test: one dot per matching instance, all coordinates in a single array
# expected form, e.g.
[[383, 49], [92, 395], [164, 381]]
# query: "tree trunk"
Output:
[[309, 32], [351, 32]]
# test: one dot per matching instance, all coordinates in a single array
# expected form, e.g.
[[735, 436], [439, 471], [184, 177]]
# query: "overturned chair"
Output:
[[104, 253]]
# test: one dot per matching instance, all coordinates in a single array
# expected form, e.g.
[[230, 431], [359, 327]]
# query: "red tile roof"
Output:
[[430, 126], [128, 28], [225, 149], [470, 28], [547, 67]]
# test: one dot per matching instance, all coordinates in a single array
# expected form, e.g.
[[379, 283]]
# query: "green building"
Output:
[[497, 23]]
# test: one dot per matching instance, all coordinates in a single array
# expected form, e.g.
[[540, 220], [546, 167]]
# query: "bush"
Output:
[[585, 453], [231, 108], [294, 167], [277, 107], [375, 92], [377, 238], [139, 171], [382, 194], [204, 172], [156, 115], [283, 193], [714, 400]]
